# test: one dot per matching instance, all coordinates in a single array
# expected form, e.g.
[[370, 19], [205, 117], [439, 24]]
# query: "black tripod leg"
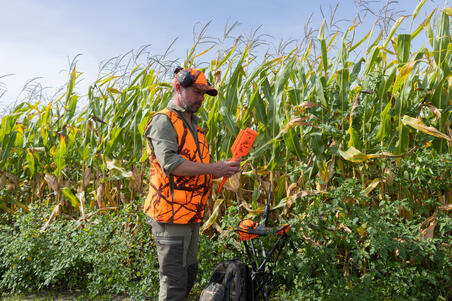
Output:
[[250, 257], [265, 281]]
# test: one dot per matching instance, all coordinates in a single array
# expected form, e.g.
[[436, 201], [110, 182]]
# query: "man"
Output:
[[180, 182]]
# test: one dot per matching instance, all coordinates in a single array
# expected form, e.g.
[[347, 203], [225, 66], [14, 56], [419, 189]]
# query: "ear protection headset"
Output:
[[184, 77]]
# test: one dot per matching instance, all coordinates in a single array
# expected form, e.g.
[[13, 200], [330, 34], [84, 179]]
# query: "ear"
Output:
[[177, 87], [177, 92]]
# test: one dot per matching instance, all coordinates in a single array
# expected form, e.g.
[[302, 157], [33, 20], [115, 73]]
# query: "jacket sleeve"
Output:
[[162, 137]]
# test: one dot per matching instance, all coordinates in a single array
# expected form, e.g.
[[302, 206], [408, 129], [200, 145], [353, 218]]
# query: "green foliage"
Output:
[[424, 176], [350, 248], [112, 254]]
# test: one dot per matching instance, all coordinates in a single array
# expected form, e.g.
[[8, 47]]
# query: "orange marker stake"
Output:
[[241, 147]]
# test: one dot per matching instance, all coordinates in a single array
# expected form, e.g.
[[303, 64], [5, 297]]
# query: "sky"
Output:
[[39, 39]]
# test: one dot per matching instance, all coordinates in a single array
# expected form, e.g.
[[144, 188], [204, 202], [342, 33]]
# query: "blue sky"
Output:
[[39, 38]]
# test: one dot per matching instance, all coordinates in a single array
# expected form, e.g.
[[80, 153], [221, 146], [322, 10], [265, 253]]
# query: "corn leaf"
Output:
[[403, 47], [447, 11], [402, 76], [420, 126], [372, 186], [417, 10], [393, 30], [424, 25], [213, 217], [67, 192], [353, 155], [112, 166]]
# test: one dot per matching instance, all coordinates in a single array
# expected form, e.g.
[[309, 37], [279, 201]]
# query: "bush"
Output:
[[352, 249], [112, 254]]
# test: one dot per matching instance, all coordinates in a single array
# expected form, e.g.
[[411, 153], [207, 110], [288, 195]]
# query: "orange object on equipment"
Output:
[[241, 147], [282, 230], [245, 229], [248, 229]]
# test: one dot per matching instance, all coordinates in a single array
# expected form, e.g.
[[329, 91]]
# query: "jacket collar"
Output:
[[172, 106]]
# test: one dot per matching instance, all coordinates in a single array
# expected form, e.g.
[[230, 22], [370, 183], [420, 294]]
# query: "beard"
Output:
[[193, 108]]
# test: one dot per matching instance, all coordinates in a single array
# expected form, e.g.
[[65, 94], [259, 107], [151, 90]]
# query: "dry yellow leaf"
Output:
[[419, 125]]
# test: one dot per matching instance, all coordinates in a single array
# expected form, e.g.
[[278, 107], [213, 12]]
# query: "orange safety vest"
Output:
[[174, 199]]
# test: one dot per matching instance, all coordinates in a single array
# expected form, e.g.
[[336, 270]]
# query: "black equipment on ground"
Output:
[[260, 261], [231, 281]]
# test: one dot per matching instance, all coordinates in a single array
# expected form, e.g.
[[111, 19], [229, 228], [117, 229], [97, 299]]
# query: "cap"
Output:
[[193, 77]]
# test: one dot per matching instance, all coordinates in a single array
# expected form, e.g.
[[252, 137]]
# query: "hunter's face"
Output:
[[192, 99]]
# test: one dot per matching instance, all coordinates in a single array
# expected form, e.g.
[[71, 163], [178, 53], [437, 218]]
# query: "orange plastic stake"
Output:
[[241, 147]]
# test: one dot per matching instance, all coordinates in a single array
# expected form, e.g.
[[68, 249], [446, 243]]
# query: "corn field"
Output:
[[319, 117]]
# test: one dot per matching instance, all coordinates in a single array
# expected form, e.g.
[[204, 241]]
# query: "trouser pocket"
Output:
[[170, 255]]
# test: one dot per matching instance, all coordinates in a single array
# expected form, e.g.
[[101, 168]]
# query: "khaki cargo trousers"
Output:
[[177, 249]]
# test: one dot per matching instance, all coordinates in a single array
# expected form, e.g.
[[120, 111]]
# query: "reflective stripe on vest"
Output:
[[186, 203]]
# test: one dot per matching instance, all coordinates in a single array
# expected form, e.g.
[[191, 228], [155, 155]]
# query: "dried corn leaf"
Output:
[[112, 166], [347, 229], [55, 212], [3, 180], [53, 182], [446, 207], [430, 222], [428, 232], [233, 183], [86, 177], [372, 186], [137, 179], [288, 201], [433, 109], [305, 105], [354, 155], [81, 197], [213, 217], [419, 125], [100, 195]]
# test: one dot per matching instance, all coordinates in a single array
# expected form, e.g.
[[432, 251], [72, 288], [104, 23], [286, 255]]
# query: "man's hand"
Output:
[[225, 168]]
